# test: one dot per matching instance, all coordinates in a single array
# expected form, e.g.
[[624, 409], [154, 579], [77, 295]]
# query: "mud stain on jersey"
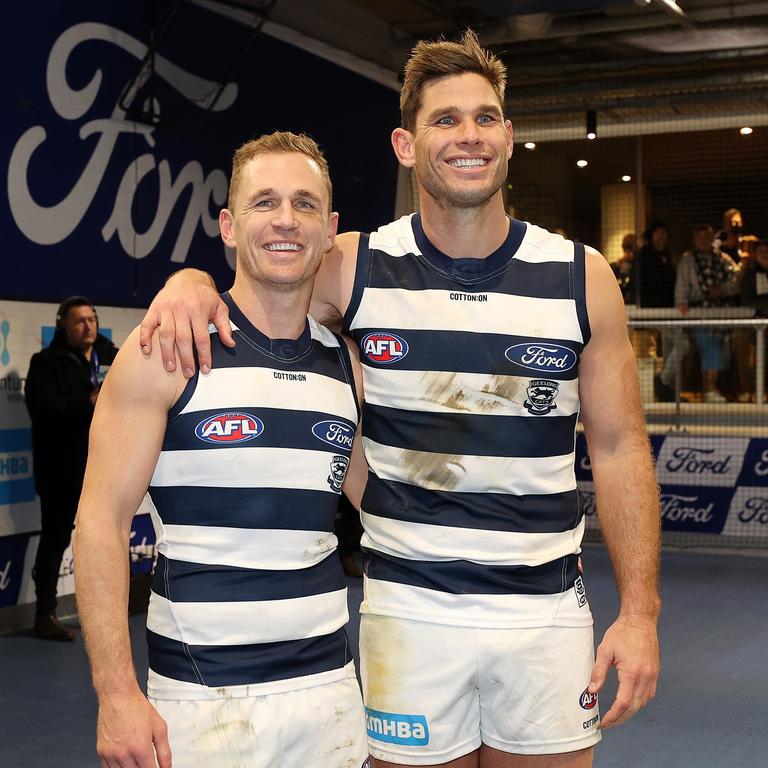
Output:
[[503, 392], [455, 391], [319, 545], [444, 389], [443, 471]]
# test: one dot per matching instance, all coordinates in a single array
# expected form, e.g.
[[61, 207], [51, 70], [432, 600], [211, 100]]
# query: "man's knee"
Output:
[[494, 758]]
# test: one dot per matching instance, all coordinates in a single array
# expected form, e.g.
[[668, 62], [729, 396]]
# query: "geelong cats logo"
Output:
[[541, 396]]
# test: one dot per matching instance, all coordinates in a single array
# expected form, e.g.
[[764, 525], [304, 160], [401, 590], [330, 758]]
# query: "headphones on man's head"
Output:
[[69, 303]]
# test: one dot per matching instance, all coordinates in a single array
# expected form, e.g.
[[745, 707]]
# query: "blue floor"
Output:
[[710, 711]]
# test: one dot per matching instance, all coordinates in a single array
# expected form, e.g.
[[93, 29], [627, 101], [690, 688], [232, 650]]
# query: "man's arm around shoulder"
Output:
[[626, 493], [125, 441], [335, 281], [181, 311]]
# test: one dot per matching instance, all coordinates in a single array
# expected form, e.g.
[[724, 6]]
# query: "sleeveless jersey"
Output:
[[470, 368], [248, 596]]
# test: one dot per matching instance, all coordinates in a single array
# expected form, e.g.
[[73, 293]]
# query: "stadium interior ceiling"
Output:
[[645, 66]]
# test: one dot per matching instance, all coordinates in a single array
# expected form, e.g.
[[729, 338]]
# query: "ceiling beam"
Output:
[[573, 26], [636, 126], [671, 8], [593, 100], [615, 68], [350, 61]]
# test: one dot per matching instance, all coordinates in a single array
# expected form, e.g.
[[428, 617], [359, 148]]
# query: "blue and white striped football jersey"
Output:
[[248, 596], [470, 369]]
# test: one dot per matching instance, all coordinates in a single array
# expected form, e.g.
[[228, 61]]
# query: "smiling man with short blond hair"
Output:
[[249, 663]]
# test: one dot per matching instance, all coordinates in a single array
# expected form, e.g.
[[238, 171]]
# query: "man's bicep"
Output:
[[608, 386], [611, 410], [127, 433]]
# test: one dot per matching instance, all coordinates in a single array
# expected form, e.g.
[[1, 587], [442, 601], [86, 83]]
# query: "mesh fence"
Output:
[[680, 217], [710, 445]]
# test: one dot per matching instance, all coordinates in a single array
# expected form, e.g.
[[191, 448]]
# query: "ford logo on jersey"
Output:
[[587, 700], [334, 433], [384, 347], [542, 357], [229, 428]]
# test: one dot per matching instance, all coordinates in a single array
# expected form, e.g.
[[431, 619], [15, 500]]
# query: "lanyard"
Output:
[[94, 369]]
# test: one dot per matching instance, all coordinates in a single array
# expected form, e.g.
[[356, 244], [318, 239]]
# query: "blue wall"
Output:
[[54, 130]]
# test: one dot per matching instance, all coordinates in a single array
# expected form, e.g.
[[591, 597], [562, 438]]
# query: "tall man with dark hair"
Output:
[[61, 391], [481, 339]]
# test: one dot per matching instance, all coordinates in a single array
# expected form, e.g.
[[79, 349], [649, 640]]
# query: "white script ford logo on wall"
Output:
[[538, 356]]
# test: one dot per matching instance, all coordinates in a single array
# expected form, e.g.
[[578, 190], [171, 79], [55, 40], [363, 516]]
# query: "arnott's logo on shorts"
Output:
[[549, 358]]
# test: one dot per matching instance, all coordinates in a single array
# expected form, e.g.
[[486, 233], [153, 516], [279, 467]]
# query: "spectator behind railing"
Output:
[[654, 271], [654, 280], [747, 247], [706, 278], [754, 287], [754, 281], [727, 239], [623, 268]]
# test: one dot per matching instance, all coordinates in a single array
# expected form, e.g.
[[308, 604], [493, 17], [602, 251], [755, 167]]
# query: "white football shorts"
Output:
[[320, 726], [434, 693]]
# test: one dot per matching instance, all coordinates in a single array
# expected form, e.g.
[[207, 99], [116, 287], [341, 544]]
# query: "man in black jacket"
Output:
[[61, 391]]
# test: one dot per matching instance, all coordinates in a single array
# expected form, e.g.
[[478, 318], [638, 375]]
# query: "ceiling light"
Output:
[[582, 163], [672, 6], [529, 145], [745, 131], [591, 124], [626, 177]]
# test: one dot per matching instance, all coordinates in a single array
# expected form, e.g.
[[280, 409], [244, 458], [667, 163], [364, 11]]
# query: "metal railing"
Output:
[[730, 317]]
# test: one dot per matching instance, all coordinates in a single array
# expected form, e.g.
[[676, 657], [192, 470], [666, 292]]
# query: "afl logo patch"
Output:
[[549, 358], [384, 348], [587, 700], [334, 433], [229, 428]]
